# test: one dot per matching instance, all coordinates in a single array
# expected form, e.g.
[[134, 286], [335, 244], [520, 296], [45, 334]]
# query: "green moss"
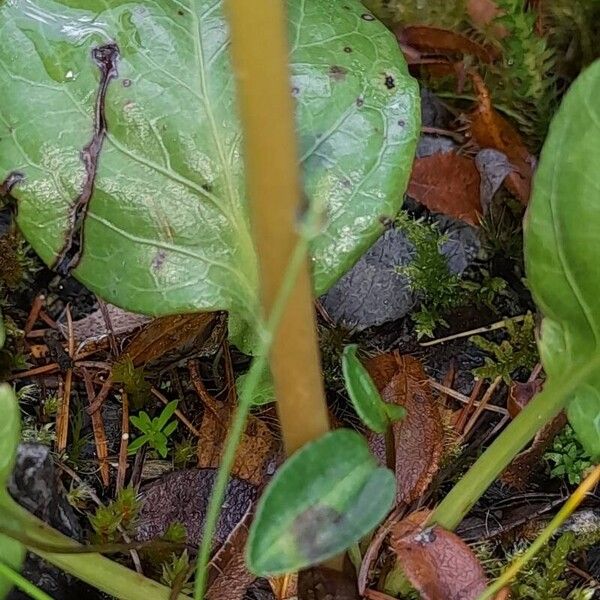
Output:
[[518, 351]]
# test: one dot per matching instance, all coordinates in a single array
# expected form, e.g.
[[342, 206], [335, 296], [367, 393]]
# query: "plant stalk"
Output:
[[541, 410], [577, 497], [100, 572], [239, 419], [273, 184], [489, 466], [23, 584]]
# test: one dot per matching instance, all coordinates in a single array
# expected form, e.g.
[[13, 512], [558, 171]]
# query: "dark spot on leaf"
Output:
[[348, 49], [126, 82], [180, 13], [159, 260], [9, 183], [295, 91], [401, 123], [360, 101], [386, 221], [207, 187], [390, 84], [68, 258], [315, 530], [337, 73], [367, 17]]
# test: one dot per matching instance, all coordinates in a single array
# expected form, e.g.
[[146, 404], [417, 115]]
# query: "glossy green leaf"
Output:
[[324, 498], [166, 227], [376, 414], [562, 249]]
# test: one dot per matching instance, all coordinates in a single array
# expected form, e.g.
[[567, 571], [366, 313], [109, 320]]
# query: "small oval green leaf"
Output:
[[376, 414], [562, 246], [324, 498], [10, 432]]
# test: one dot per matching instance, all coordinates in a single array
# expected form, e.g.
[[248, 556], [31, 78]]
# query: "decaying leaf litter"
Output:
[[412, 303]]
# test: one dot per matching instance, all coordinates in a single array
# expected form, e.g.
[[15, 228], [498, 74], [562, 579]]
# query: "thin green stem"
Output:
[[239, 420], [561, 516], [23, 584], [100, 572], [540, 411]]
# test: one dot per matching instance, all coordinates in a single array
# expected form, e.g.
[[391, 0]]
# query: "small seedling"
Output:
[[176, 571], [121, 514], [133, 380], [568, 456], [156, 431]]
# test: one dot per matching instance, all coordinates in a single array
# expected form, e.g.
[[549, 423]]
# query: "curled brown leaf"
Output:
[[419, 436], [438, 41], [438, 564], [490, 130]]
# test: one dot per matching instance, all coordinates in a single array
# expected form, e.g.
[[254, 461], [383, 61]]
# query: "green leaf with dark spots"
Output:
[[562, 246], [325, 497], [126, 158], [376, 414]]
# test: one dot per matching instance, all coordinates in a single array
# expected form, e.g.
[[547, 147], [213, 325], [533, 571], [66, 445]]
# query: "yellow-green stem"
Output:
[[561, 516], [23, 584], [100, 572], [541, 410]]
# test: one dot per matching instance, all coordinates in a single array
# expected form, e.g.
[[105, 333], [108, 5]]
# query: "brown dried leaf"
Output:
[[437, 41], [518, 474], [94, 325], [256, 448], [438, 564], [163, 335], [419, 437], [228, 576], [321, 583], [482, 14], [519, 395], [447, 183], [490, 130]]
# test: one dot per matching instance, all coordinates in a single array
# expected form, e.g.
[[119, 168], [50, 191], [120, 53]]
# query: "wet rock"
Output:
[[35, 485], [432, 144], [433, 112], [372, 293], [260, 590], [182, 497]]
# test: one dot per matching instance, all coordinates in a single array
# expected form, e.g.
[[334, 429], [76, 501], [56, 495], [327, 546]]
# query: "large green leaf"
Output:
[[323, 499], [562, 251], [166, 226]]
